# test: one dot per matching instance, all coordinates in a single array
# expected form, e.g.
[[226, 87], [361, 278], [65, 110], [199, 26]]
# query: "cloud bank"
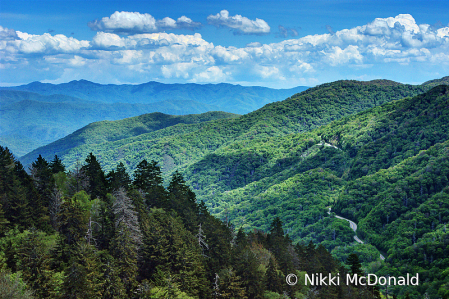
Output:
[[395, 44]]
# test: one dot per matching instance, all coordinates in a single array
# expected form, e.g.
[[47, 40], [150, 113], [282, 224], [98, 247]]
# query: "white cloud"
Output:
[[383, 44], [239, 24], [134, 22], [42, 44]]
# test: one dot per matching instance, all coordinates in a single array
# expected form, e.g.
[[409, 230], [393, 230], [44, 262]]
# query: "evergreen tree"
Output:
[[113, 287], [97, 181], [83, 278], [148, 178], [354, 264], [34, 264], [183, 201], [72, 221], [127, 240], [171, 250], [56, 165], [232, 286], [77, 181], [118, 178], [272, 280], [3, 222]]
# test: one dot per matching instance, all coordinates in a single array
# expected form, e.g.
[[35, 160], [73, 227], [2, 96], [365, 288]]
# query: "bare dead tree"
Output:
[[55, 207], [202, 240], [126, 216]]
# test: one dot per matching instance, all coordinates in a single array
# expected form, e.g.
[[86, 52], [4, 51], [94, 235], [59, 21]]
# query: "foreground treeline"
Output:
[[84, 234]]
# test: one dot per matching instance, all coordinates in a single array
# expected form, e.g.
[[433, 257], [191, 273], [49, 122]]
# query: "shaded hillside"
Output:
[[30, 120], [227, 97], [104, 132]]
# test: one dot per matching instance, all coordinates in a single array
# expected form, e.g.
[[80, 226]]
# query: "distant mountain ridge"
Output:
[[29, 120], [37, 114], [227, 97]]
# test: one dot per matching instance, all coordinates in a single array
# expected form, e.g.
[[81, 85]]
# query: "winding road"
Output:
[[353, 226]]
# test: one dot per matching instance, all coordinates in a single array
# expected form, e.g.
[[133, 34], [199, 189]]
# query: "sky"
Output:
[[277, 44]]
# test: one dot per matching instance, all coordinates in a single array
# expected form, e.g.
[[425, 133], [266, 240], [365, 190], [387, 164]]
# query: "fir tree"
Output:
[[232, 286], [183, 201], [354, 264], [272, 280], [118, 178], [56, 165], [34, 264], [83, 278], [97, 181], [148, 178]]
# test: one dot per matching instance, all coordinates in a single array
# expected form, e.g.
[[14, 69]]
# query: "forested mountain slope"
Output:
[[30, 120], [178, 147], [96, 134], [385, 168]]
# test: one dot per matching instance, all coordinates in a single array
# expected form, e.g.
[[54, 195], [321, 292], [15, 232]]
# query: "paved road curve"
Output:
[[353, 226]]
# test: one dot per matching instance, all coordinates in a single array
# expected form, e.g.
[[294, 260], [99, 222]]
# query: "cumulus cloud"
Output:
[[239, 24], [134, 22], [383, 44], [24, 43]]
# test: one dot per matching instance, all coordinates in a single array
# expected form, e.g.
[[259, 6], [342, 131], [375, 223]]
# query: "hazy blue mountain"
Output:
[[30, 120], [227, 97]]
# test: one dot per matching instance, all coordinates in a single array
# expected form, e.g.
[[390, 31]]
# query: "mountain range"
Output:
[[376, 152], [36, 114]]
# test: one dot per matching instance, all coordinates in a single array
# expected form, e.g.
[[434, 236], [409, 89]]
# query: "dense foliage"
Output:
[[84, 234], [384, 168]]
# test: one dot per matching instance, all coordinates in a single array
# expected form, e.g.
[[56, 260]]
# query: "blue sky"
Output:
[[278, 44]]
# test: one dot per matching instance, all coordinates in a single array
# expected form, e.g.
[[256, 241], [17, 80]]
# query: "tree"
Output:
[[56, 165], [272, 280], [232, 286], [118, 178], [34, 264], [127, 240], [183, 201], [148, 178], [97, 181], [354, 263], [77, 180], [83, 278]]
